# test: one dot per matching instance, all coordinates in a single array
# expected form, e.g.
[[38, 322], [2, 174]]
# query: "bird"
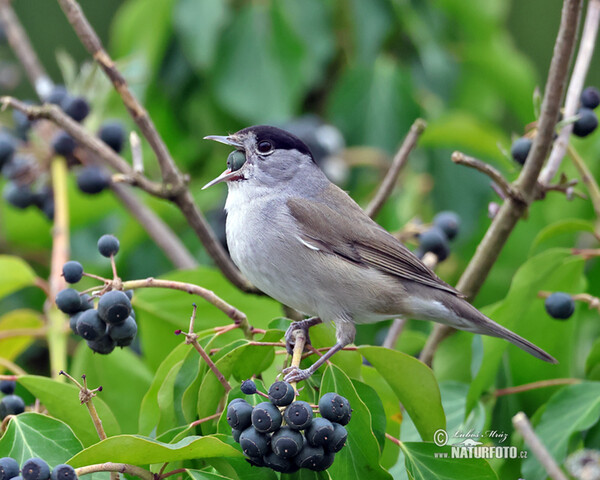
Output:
[[305, 242]]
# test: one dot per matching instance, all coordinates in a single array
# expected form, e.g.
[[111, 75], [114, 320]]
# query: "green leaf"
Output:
[[360, 458], [34, 435], [422, 464], [371, 23], [378, 419], [62, 401], [11, 347], [137, 450], [562, 227], [572, 409], [592, 362], [124, 379], [416, 387], [16, 274], [200, 475]]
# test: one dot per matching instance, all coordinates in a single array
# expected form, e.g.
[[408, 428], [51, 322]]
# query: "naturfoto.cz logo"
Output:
[[468, 447]]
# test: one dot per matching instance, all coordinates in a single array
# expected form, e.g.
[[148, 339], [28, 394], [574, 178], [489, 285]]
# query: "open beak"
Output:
[[227, 174]]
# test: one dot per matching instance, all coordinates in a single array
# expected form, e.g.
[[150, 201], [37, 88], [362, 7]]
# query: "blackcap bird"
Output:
[[303, 241]]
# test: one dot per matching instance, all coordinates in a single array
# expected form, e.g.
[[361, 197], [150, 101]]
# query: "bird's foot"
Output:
[[295, 374], [304, 325]]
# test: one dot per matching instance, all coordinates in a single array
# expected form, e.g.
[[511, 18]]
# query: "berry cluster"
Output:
[[34, 469], [112, 324], [436, 239], [560, 305], [10, 404], [586, 123], [270, 433]]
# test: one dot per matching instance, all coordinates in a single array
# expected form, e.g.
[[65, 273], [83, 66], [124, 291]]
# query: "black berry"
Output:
[[235, 433], [108, 245], [87, 302], [590, 98], [18, 167], [586, 123], [57, 95], [239, 414], [124, 332], [90, 326], [113, 134], [275, 462], [248, 387], [266, 417], [44, 200], [92, 180], [63, 143], [114, 307], [7, 387], [22, 122], [72, 271], [560, 305], [435, 241], [103, 345], [11, 405], [253, 443], [9, 468], [129, 293], [8, 145], [73, 322], [76, 107], [281, 394], [337, 440], [314, 458], [35, 469], [63, 472], [319, 432], [298, 415], [19, 196], [520, 149], [68, 301], [448, 222], [335, 408], [287, 443]]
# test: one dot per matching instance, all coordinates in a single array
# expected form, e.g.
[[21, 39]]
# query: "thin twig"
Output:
[[24, 332], [206, 419], [535, 385], [586, 253], [400, 159], [13, 367], [521, 423], [116, 467], [511, 211], [394, 332], [393, 439], [587, 178], [582, 64], [299, 343], [85, 396], [497, 177]]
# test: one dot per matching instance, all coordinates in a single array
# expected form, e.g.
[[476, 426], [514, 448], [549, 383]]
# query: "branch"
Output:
[[535, 385], [582, 64], [521, 423], [388, 183], [116, 467], [511, 210], [85, 396], [299, 343]]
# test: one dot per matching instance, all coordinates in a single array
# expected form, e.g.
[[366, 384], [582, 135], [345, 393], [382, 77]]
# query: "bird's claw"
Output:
[[295, 374], [290, 338]]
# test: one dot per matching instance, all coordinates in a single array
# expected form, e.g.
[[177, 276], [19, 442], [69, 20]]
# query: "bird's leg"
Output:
[[303, 325], [294, 374]]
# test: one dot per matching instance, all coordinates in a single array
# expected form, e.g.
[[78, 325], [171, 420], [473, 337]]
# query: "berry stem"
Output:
[[116, 467], [205, 419]]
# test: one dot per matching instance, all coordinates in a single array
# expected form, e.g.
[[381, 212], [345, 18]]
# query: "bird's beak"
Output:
[[225, 176], [230, 140]]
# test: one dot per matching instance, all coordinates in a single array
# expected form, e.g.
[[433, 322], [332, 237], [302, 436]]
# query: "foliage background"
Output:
[[469, 68]]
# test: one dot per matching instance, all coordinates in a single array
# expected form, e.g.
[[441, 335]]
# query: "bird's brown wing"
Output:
[[358, 239]]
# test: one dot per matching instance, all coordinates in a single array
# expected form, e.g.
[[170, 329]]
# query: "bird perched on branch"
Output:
[[306, 243]]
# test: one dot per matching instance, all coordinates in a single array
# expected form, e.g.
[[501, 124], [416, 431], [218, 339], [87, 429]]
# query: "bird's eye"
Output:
[[264, 146]]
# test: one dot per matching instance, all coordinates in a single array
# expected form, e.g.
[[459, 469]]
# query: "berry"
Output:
[[256, 461], [63, 144], [11, 405], [63, 472], [239, 414], [435, 241], [19, 196], [275, 462], [124, 332], [281, 394], [9, 468], [108, 245], [114, 307], [18, 166], [7, 387], [73, 322], [22, 122], [235, 433], [103, 345], [586, 123], [253, 443], [87, 302], [129, 293], [113, 134], [92, 180], [560, 305], [57, 95], [248, 387], [72, 271], [44, 200], [335, 408], [7, 147], [235, 160], [287, 443], [266, 417], [90, 326], [314, 458], [319, 432], [68, 301], [590, 98], [35, 469], [520, 149], [298, 415], [337, 440], [448, 222], [76, 107]]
